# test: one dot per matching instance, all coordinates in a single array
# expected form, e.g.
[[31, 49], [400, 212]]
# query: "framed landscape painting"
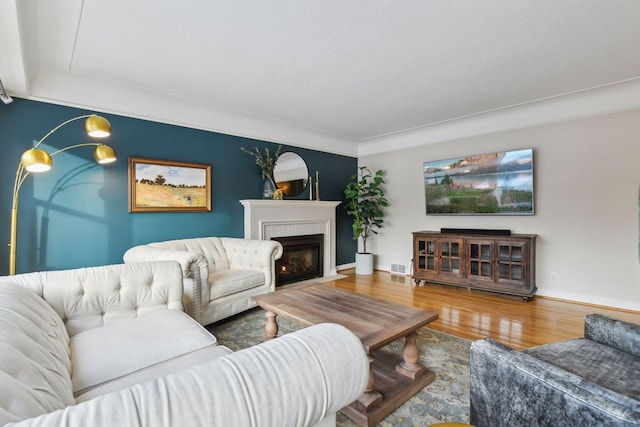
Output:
[[486, 184], [167, 186]]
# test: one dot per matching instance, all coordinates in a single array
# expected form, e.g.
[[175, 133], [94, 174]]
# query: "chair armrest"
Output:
[[91, 297], [187, 260], [295, 380], [623, 336], [195, 271], [509, 387], [253, 254]]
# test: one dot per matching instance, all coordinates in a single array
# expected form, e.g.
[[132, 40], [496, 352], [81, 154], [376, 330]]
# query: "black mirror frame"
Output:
[[294, 185]]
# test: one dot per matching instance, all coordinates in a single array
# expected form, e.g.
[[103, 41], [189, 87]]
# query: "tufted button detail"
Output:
[[102, 313]]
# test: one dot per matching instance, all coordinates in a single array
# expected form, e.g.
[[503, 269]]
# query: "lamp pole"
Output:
[[14, 225]]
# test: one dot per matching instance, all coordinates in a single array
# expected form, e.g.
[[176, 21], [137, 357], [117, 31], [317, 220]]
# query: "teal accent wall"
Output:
[[76, 215]]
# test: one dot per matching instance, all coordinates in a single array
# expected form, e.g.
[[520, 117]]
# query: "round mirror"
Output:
[[291, 173]]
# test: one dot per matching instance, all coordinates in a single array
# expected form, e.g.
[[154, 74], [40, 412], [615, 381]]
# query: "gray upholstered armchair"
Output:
[[221, 274], [590, 381]]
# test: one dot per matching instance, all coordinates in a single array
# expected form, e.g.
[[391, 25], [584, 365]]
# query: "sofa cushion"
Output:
[[176, 364], [229, 282], [35, 368], [596, 363], [105, 354]]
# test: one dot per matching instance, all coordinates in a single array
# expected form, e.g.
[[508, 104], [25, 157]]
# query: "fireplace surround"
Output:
[[266, 219]]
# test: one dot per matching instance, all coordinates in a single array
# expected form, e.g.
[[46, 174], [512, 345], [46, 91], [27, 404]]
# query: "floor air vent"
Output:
[[398, 269]]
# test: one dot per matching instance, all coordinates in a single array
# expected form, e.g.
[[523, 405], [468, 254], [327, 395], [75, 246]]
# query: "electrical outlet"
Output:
[[553, 276]]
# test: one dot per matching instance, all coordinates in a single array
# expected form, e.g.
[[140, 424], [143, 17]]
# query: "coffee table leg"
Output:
[[370, 396], [271, 328], [410, 367]]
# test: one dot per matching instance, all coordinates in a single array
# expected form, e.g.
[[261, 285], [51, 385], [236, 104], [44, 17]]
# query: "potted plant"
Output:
[[266, 163], [365, 200]]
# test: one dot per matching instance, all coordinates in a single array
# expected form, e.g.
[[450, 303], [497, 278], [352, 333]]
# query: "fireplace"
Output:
[[302, 258], [267, 219]]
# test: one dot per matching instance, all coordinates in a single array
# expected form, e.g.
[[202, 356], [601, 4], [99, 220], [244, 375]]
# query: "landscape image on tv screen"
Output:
[[486, 184]]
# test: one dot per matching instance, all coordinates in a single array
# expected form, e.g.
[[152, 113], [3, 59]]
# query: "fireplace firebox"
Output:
[[302, 258]]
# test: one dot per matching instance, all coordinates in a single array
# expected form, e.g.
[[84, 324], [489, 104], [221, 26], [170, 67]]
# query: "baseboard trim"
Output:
[[345, 266], [594, 302]]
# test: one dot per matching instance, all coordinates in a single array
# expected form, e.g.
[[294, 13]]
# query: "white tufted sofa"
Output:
[[221, 274], [110, 346]]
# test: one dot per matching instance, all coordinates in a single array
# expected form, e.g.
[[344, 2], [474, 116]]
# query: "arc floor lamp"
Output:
[[36, 160]]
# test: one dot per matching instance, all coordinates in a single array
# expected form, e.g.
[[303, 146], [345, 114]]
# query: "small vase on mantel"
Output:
[[268, 188]]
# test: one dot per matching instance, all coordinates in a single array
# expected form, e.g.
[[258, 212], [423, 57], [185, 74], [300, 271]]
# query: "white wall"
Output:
[[587, 175]]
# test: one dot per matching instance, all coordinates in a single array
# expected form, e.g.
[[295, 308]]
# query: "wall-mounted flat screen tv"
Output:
[[486, 184]]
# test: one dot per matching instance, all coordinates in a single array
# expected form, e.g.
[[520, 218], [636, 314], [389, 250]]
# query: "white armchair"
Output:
[[220, 274]]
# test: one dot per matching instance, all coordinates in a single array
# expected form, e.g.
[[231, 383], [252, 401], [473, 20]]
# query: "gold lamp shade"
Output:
[[36, 160], [97, 126], [104, 154]]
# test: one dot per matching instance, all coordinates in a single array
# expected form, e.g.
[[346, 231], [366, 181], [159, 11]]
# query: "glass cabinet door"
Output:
[[451, 256], [510, 262], [427, 255], [480, 259]]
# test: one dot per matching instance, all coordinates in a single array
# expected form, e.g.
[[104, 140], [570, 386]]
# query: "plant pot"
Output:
[[364, 263]]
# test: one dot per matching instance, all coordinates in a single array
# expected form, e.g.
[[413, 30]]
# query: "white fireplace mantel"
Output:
[[265, 219]]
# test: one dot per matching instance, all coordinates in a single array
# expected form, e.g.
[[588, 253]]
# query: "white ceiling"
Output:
[[346, 76]]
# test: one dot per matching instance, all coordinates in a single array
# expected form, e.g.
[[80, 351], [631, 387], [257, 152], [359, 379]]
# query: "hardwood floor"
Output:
[[475, 314]]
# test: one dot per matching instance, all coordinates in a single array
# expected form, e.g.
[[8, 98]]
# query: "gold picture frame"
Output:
[[168, 186]]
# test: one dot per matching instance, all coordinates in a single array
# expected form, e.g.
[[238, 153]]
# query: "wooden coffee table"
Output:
[[392, 379]]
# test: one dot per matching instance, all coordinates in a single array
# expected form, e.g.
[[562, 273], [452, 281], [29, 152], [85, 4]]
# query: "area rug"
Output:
[[446, 399]]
